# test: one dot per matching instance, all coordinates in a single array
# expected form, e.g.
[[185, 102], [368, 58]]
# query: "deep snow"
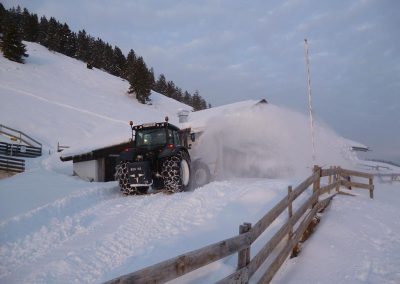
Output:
[[56, 228]]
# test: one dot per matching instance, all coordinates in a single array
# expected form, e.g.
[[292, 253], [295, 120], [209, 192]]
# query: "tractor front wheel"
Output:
[[176, 173]]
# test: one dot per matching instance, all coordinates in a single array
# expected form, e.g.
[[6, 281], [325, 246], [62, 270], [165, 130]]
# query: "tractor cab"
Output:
[[156, 135]]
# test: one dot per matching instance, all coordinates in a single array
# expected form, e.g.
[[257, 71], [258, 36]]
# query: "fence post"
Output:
[[244, 254], [337, 178], [317, 183], [371, 187], [290, 214]]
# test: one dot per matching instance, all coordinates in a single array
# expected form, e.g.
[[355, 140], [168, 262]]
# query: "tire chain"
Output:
[[171, 172], [122, 176]]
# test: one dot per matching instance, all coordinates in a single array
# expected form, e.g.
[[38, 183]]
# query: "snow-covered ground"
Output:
[[57, 228]]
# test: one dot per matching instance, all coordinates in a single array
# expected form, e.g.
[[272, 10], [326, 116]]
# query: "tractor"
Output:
[[159, 160]]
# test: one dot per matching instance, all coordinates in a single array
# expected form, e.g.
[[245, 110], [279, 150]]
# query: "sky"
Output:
[[237, 50]]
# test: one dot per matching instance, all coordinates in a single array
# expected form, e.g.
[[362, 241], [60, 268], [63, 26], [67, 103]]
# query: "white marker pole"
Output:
[[309, 99]]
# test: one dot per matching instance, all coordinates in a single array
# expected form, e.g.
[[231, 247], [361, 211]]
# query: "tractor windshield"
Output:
[[151, 137]]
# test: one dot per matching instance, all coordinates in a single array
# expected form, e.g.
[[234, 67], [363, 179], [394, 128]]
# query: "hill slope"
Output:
[[56, 98]]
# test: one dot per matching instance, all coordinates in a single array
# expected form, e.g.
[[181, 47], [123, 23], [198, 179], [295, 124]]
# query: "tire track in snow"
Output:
[[122, 228], [29, 236], [25, 93]]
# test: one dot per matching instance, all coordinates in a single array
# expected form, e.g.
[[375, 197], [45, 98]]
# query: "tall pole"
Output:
[[309, 100]]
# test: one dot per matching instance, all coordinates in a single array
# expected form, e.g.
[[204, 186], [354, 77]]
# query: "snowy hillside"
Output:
[[57, 228], [57, 99]]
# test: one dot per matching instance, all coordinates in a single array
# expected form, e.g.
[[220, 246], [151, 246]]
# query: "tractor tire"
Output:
[[121, 175], [201, 174], [176, 173]]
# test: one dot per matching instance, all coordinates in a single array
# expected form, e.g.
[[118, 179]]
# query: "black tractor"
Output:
[[158, 160]]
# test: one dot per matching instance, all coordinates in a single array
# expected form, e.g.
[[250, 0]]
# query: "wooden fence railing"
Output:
[[20, 150], [290, 232], [60, 148], [12, 165], [19, 135]]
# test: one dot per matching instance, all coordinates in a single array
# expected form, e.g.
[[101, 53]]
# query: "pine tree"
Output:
[[130, 64], [82, 46], [118, 62], [187, 98], [3, 14], [53, 35], [161, 85], [30, 26], [170, 91], [42, 34], [196, 101], [140, 81], [11, 44]]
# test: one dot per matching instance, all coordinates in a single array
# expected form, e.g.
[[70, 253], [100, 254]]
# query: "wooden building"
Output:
[[98, 164]]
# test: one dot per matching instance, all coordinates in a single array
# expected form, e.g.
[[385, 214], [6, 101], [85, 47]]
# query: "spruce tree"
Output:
[[118, 62], [11, 44], [161, 85], [53, 35], [82, 46], [42, 34], [3, 14], [130, 64], [187, 98], [30, 26], [140, 81]]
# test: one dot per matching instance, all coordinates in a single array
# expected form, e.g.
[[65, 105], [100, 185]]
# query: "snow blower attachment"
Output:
[[158, 160]]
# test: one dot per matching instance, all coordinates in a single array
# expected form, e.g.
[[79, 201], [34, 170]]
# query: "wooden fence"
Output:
[[290, 234], [19, 150], [19, 135], [12, 165]]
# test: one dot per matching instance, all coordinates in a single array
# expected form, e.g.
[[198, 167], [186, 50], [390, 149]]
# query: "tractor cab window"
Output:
[[150, 137], [177, 138], [173, 137]]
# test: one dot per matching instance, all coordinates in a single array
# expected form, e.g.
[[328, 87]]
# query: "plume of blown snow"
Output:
[[269, 141]]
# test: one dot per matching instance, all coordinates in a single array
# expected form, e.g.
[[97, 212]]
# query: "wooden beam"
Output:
[[328, 188], [355, 173], [185, 263], [356, 184]]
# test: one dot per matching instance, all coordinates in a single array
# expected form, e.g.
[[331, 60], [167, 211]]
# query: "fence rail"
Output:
[[12, 164], [388, 178], [19, 135], [19, 150], [60, 148], [290, 232]]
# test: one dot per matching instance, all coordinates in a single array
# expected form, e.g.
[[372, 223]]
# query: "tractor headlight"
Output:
[[139, 158]]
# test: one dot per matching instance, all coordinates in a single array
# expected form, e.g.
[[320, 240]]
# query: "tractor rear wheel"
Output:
[[121, 175]]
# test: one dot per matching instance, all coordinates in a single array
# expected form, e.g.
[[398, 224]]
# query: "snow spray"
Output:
[[266, 141]]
